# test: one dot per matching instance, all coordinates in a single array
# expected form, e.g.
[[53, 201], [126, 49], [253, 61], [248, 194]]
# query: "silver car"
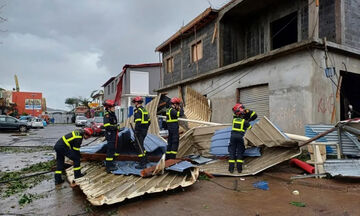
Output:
[[80, 121]]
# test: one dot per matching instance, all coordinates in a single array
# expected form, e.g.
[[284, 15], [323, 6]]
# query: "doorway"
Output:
[[350, 95]]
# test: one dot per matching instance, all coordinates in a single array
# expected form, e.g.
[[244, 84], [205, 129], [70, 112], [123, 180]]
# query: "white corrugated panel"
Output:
[[256, 98]]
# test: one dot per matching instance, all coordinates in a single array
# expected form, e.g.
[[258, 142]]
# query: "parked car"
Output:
[[26, 119], [37, 123], [11, 123], [97, 125], [80, 121]]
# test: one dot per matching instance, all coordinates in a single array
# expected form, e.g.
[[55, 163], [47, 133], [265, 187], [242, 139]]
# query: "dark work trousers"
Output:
[[61, 151], [173, 142], [236, 146], [141, 134], [110, 138]]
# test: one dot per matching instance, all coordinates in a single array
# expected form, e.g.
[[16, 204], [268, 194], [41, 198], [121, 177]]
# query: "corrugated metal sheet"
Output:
[[101, 188], [256, 98], [196, 107], [181, 166], [220, 143], [253, 165], [342, 167], [128, 167], [152, 143], [348, 146], [152, 109], [265, 133]]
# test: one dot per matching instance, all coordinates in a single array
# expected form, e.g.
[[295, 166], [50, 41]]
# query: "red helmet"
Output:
[[175, 100], [88, 131], [242, 106], [238, 109], [137, 99], [109, 103]]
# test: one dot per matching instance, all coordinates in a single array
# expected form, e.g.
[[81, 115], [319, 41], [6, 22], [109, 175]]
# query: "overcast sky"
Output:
[[67, 48]]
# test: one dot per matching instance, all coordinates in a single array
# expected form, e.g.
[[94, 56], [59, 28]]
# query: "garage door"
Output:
[[256, 98]]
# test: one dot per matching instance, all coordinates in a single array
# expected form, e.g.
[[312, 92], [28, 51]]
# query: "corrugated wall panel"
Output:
[[348, 146], [256, 98]]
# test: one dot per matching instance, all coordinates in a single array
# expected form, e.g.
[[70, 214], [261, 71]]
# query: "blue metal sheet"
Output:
[[128, 168], [220, 142], [200, 159], [181, 166], [152, 143], [342, 167], [348, 146]]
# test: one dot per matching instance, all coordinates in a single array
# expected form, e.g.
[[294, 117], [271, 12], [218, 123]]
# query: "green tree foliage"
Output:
[[72, 102]]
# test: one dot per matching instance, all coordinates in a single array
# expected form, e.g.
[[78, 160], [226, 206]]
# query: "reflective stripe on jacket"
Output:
[[73, 140], [170, 117]]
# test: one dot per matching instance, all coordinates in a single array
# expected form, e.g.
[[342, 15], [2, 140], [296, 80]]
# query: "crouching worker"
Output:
[[172, 115], [236, 146], [69, 146]]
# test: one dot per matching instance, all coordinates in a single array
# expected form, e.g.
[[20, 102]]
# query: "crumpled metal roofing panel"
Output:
[[128, 167], [265, 133], [181, 166], [101, 188], [220, 143], [253, 165], [343, 167], [348, 146]]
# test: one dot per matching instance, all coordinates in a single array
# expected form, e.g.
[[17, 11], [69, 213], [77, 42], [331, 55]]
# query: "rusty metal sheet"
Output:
[[101, 188], [265, 133], [252, 166]]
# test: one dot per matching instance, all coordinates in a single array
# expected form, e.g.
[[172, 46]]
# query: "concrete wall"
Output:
[[299, 92], [110, 95], [327, 20], [352, 23], [181, 51]]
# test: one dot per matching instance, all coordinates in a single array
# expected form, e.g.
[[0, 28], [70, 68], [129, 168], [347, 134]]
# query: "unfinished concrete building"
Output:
[[283, 59]]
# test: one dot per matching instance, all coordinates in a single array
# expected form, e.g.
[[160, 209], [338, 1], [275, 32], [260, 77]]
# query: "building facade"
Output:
[[28, 102], [134, 80], [283, 59]]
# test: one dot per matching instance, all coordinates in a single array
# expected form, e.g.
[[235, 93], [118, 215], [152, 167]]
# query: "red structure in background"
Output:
[[28, 102]]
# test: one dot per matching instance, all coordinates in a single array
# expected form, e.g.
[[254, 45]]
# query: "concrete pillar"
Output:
[[313, 19]]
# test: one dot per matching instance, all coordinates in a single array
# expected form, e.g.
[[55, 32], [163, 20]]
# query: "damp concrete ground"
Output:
[[217, 196]]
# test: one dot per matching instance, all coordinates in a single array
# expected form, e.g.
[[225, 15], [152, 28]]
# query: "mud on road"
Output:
[[218, 196]]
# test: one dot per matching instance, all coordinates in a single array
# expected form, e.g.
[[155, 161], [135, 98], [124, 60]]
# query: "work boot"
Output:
[[142, 163], [58, 179], [78, 174], [239, 167], [110, 166], [231, 167]]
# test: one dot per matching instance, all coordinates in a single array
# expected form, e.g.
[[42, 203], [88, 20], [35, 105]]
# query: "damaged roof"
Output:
[[101, 188]]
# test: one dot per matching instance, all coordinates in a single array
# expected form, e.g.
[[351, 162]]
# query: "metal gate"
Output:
[[256, 98]]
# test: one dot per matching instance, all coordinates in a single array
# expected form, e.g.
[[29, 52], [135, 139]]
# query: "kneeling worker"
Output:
[[69, 146], [236, 146]]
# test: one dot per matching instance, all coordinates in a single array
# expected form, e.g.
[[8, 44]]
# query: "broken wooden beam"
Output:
[[101, 157], [317, 136], [149, 171]]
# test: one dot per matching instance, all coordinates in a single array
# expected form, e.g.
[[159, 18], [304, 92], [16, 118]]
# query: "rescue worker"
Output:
[[172, 115], [69, 146], [248, 114], [142, 123], [236, 146], [111, 127]]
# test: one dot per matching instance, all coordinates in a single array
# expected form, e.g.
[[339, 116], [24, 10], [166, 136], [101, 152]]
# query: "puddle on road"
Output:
[[19, 160], [47, 199]]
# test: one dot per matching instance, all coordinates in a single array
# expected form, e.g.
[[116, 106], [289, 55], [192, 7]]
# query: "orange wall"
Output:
[[20, 97]]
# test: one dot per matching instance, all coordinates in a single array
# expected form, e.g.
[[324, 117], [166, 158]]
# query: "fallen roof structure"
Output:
[[345, 167], [101, 188]]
